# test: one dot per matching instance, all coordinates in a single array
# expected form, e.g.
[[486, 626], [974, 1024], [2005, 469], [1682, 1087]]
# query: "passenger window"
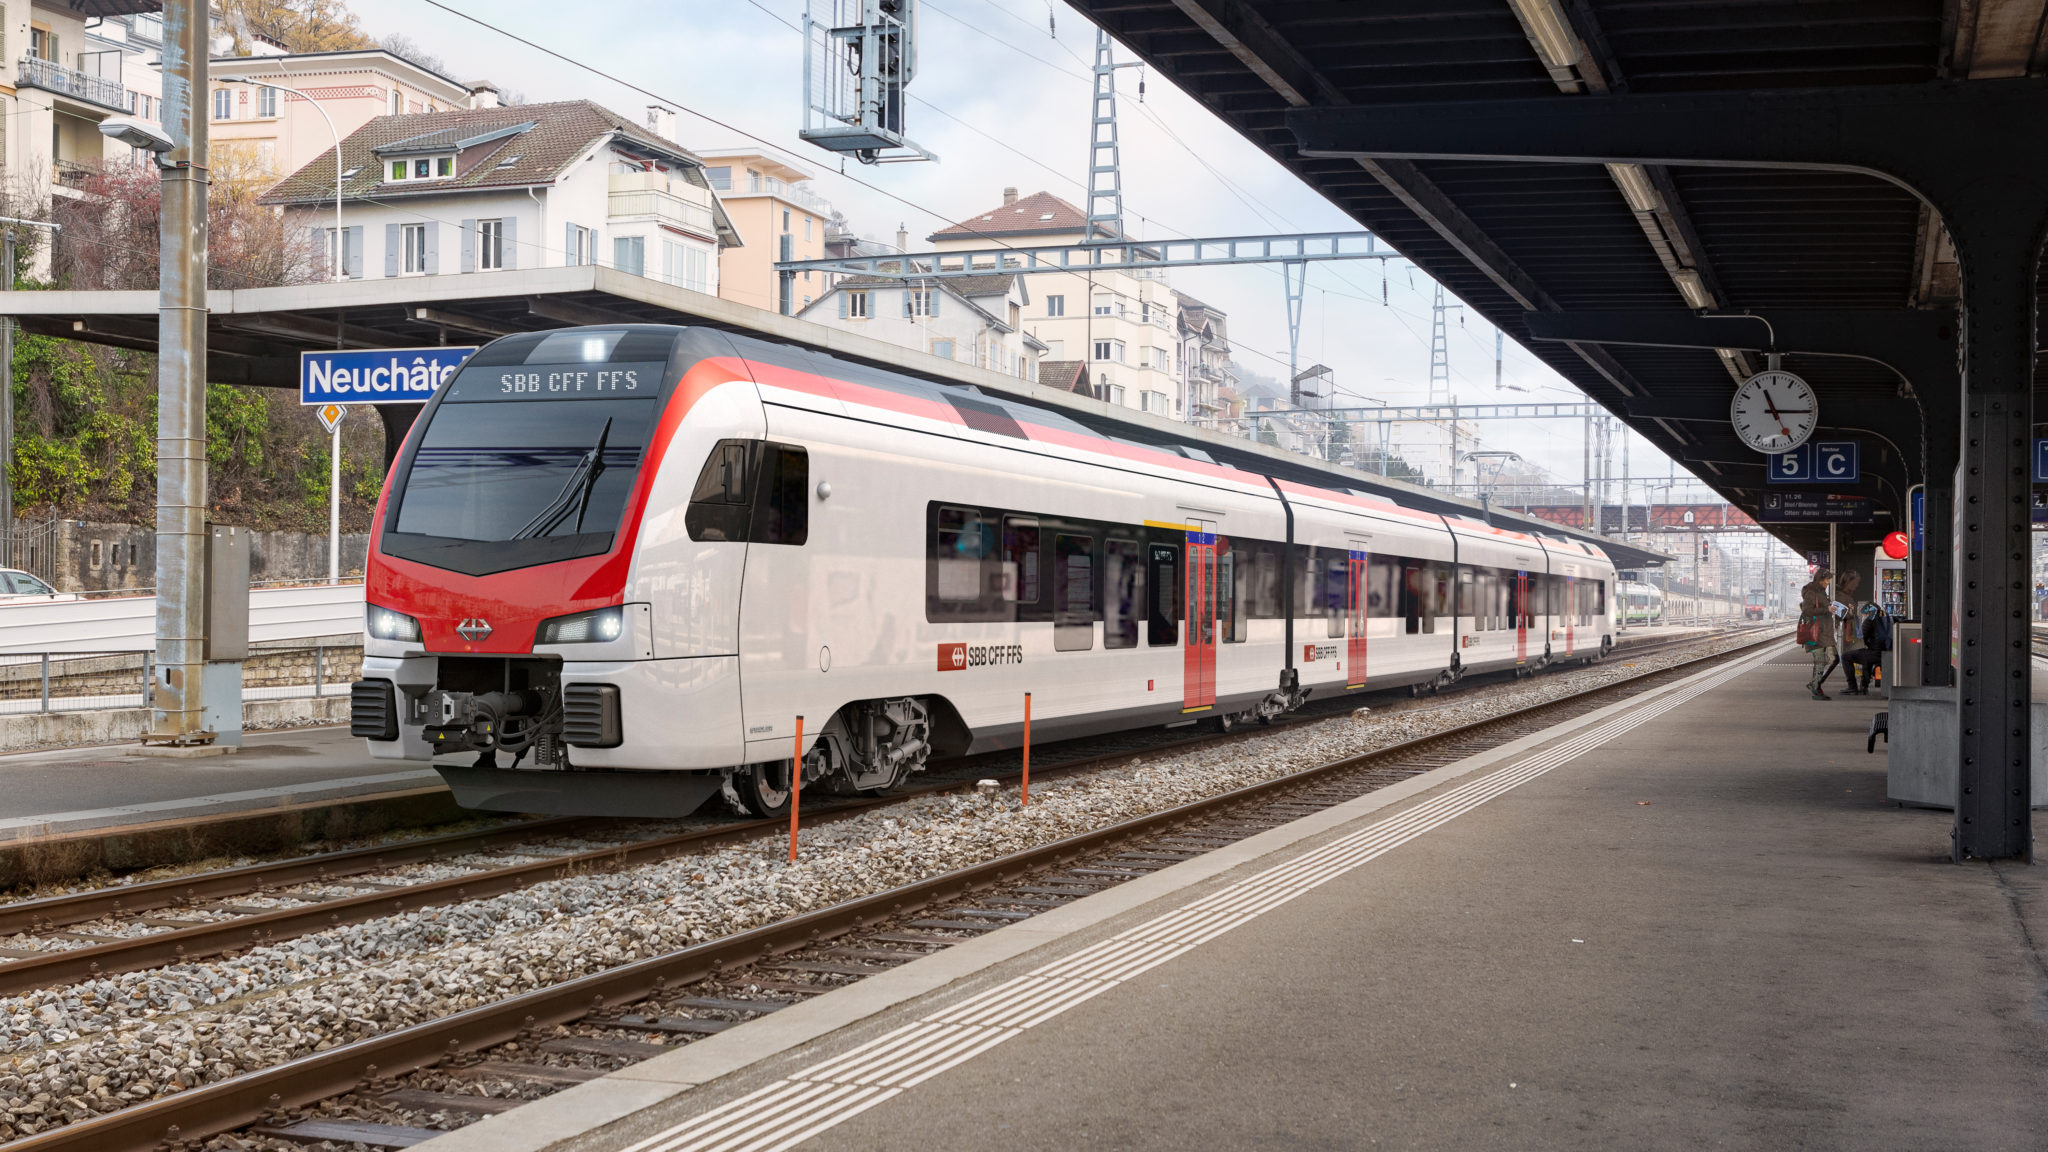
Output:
[[959, 555], [1336, 575], [1265, 598], [1468, 598], [1123, 574], [1073, 593], [1380, 589], [1020, 560], [782, 504], [1162, 629], [719, 505]]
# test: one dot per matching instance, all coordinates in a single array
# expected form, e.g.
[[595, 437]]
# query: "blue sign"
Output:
[[1815, 508], [377, 376], [2041, 461], [1919, 520], [1826, 462]]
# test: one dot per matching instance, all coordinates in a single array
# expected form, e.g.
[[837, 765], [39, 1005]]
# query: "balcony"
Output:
[[770, 186], [30, 72], [70, 174], [666, 207]]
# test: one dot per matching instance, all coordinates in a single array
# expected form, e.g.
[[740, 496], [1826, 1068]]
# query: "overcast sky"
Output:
[[1002, 101]]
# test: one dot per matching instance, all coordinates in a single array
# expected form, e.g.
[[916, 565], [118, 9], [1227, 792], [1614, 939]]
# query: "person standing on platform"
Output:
[[1818, 629]]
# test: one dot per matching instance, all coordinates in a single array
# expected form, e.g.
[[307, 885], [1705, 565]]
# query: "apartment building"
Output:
[[1202, 356], [533, 186], [1122, 323], [770, 202], [58, 82], [271, 131], [976, 320]]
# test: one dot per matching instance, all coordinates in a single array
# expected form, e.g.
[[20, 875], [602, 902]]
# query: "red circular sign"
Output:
[[1896, 545]]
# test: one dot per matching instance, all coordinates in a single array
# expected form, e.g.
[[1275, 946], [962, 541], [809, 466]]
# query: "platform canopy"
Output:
[[1862, 185]]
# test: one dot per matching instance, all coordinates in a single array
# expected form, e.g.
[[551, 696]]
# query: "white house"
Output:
[[528, 186], [977, 320]]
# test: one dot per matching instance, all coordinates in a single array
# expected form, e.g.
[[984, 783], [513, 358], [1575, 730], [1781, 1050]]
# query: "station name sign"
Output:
[[377, 376]]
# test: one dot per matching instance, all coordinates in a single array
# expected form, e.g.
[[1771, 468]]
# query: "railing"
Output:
[[70, 173], [770, 186], [662, 206], [30, 72], [36, 682]]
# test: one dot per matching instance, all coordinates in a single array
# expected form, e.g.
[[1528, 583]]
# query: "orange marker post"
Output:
[[796, 785], [1027, 750]]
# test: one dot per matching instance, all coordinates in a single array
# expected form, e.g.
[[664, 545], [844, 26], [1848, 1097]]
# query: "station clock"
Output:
[[1774, 411]]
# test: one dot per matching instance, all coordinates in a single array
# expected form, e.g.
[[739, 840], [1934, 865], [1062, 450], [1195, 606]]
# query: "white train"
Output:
[[614, 566]]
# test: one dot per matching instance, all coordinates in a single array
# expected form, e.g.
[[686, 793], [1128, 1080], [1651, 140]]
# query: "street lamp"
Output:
[[340, 262]]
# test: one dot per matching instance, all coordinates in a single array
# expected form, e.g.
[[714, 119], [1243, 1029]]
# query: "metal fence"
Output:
[[87, 681]]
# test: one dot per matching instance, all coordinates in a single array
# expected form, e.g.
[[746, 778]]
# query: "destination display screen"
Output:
[[579, 381]]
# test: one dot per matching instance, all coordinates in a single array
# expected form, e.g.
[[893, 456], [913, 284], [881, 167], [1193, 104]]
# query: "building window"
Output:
[[1109, 350], [942, 349], [576, 248], [223, 104], [1105, 304], [266, 101], [785, 219], [719, 178], [1145, 311], [490, 245], [412, 239], [394, 103], [39, 43], [696, 270], [398, 169], [857, 305], [343, 251], [807, 228], [1055, 349], [1153, 402], [918, 302], [1055, 305], [629, 254], [444, 166], [672, 262]]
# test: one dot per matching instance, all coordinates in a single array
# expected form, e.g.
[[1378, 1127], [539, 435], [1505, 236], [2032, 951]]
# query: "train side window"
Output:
[[782, 498], [1123, 592], [1073, 593], [1162, 625], [1021, 584], [1265, 582], [1335, 567], [1468, 598], [962, 542], [720, 506], [1233, 593], [1379, 585]]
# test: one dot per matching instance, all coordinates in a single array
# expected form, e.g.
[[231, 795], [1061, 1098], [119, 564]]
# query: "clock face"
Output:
[[1774, 411]]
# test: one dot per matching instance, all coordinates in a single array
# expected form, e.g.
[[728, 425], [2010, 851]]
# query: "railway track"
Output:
[[134, 927], [395, 1089]]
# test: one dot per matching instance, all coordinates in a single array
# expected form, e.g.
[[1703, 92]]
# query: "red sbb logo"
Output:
[[952, 657], [1308, 653]]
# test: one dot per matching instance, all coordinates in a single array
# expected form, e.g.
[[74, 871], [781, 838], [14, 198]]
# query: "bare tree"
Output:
[[110, 234], [299, 25], [399, 44]]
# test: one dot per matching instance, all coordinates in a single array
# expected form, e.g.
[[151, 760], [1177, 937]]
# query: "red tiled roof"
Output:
[[1040, 213], [1065, 375]]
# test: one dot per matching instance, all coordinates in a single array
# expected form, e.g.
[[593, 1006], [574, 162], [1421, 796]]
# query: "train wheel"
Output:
[[763, 789]]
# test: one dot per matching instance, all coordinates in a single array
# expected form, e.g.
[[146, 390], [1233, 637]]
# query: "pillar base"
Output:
[[1922, 761]]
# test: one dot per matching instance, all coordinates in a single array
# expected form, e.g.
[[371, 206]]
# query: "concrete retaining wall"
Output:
[[90, 557], [125, 725]]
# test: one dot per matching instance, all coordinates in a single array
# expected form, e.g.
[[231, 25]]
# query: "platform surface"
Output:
[[1709, 931], [79, 789]]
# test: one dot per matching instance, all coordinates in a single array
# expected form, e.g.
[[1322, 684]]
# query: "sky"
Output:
[[1003, 102]]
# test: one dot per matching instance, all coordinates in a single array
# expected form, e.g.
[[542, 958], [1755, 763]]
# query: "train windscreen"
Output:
[[528, 463]]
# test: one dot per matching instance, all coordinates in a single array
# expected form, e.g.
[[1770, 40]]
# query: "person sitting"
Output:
[[1874, 636]]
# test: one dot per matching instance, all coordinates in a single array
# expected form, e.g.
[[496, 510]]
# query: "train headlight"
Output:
[[384, 624], [595, 627]]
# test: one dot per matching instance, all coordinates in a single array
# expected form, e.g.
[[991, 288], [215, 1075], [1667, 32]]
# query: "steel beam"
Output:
[[1106, 257], [1977, 153]]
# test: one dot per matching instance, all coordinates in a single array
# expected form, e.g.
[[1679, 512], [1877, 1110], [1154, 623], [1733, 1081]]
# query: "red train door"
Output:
[[1355, 595], [1199, 690], [1521, 617]]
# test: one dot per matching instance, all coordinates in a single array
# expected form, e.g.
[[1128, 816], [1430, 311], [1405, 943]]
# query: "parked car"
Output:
[[18, 587]]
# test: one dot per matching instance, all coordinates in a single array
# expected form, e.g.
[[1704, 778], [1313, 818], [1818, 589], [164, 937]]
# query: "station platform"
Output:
[[1688, 920], [72, 790]]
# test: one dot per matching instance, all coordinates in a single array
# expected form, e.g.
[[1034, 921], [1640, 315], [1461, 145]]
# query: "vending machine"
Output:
[[1891, 588]]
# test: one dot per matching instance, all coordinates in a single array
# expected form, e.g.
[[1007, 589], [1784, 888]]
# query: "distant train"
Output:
[[638, 560], [1640, 603]]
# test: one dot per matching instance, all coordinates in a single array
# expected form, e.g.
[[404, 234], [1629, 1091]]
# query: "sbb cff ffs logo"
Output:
[[957, 657]]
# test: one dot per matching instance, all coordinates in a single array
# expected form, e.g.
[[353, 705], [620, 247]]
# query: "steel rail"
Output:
[[187, 1118]]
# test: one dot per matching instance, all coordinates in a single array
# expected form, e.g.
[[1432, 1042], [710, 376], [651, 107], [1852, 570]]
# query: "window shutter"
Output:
[[842, 305], [390, 250], [508, 240], [569, 245], [433, 248], [469, 245], [3, 31]]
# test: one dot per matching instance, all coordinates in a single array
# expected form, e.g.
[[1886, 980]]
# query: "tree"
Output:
[[405, 47], [110, 234], [299, 25]]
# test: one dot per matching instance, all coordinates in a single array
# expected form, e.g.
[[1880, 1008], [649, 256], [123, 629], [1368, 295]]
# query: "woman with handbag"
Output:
[[1817, 629]]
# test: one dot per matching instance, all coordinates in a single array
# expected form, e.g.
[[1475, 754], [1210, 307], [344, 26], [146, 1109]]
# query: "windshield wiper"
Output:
[[575, 493]]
